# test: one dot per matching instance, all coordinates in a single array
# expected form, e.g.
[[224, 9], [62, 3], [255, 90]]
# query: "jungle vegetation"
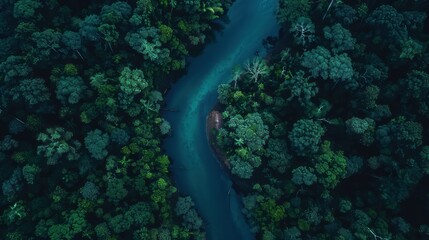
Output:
[[81, 92], [327, 136]]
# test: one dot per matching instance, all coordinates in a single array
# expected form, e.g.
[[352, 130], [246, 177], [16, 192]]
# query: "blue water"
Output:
[[195, 168]]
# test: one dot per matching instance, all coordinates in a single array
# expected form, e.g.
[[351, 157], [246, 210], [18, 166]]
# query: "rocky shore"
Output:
[[214, 122]]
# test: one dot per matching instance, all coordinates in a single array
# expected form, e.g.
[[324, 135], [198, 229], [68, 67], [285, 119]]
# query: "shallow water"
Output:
[[195, 168]]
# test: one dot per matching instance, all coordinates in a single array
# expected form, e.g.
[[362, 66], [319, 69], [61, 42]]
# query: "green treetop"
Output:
[[300, 88], [26, 9], [47, 44], [56, 144], [305, 137], [321, 63], [340, 38], [250, 130], [132, 82], [32, 91], [70, 90], [303, 176], [330, 166], [96, 142]]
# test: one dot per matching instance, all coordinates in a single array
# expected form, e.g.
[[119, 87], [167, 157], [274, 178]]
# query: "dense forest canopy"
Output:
[[327, 137], [82, 86]]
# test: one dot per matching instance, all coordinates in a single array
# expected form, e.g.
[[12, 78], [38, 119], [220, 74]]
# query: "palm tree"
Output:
[[257, 68], [236, 75], [148, 106]]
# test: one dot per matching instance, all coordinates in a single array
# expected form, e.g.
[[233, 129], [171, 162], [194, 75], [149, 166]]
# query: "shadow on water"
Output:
[[195, 168]]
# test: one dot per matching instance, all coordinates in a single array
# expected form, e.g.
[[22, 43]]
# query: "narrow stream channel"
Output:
[[195, 168]]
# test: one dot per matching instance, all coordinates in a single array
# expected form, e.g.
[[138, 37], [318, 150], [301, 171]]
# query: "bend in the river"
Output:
[[195, 168]]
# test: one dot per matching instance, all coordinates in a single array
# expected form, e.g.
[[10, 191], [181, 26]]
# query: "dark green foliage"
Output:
[[102, 231], [330, 166], [185, 209], [303, 175], [14, 213], [278, 156], [416, 85], [244, 163], [249, 131], [14, 67], [389, 21], [354, 163], [411, 49], [356, 156], [402, 226], [305, 137], [322, 64], [300, 88], [414, 20], [340, 68], [338, 159], [165, 127], [358, 126], [132, 81], [92, 73], [109, 34], [90, 191], [345, 13], [89, 27], [140, 214], [73, 41], [119, 136], [270, 212], [400, 133], [345, 206], [340, 38], [56, 145], [12, 185], [115, 191], [118, 12], [317, 61], [224, 92], [375, 72], [47, 44], [8, 143], [141, 14], [363, 129], [96, 142], [31, 91], [70, 90], [290, 11], [119, 224], [29, 172], [24, 9], [146, 41], [292, 233]]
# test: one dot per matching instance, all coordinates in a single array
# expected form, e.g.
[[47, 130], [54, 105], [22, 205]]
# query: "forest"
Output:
[[327, 136], [82, 86]]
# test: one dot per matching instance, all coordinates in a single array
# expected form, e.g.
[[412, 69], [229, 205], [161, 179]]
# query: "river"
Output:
[[195, 168]]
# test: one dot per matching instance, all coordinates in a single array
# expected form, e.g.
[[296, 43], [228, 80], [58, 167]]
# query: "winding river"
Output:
[[195, 168]]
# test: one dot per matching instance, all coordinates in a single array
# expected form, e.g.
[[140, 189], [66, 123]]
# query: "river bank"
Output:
[[195, 168], [214, 121]]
